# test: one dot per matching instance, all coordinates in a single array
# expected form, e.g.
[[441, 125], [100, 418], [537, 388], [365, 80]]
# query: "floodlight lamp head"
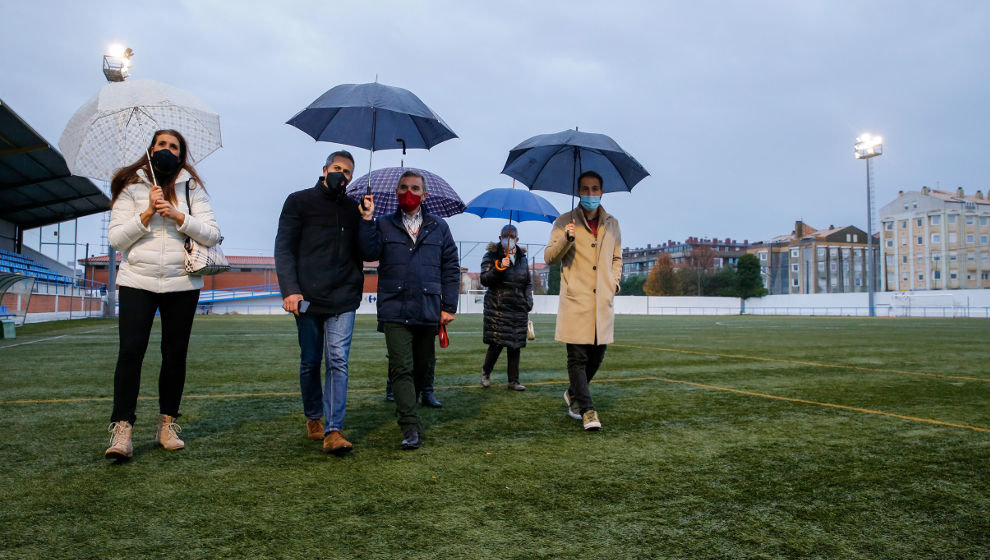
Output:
[[868, 146], [117, 64]]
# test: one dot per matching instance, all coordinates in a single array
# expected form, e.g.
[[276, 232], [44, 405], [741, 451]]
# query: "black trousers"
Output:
[[583, 361], [492, 356], [137, 315]]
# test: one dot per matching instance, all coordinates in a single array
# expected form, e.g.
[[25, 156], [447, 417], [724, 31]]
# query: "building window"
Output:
[[795, 253], [795, 268], [914, 205], [953, 238], [921, 240], [984, 220], [821, 252], [848, 238], [970, 238], [971, 257], [888, 226], [919, 222], [904, 222], [952, 257], [920, 276], [921, 259], [934, 220], [796, 282], [855, 238], [890, 243], [952, 218], [936, 238], [985, 275], [763, 255], [984, 240], [904, 259], [969, 220], [953, 275], [938, 274]]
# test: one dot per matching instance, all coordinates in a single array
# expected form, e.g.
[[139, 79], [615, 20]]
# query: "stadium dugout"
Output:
[[36, 189]]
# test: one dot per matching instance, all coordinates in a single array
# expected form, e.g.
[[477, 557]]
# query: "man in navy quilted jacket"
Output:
[[418, 284]]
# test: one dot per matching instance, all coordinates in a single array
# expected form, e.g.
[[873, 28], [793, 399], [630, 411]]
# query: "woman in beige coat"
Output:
[[587, 244]]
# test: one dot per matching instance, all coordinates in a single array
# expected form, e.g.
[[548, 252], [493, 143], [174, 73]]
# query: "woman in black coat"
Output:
[[508, 301]]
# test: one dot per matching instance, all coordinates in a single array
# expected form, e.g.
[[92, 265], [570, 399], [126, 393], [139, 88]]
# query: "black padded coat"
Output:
[[509, 298]]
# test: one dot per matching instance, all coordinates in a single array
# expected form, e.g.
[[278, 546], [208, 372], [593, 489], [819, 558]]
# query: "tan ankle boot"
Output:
[[120, 441], [167, 434]]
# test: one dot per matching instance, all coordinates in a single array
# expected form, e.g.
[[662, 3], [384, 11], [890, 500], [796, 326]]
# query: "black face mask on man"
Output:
[[335, 181], [165, 163]]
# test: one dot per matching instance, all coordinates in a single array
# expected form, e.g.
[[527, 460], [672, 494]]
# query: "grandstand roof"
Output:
[[36, 187]]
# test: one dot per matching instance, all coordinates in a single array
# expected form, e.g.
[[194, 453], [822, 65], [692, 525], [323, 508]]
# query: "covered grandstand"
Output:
[[37, 189]]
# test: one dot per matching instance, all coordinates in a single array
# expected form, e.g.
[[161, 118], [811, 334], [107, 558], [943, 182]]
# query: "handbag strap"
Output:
[[188, 204]]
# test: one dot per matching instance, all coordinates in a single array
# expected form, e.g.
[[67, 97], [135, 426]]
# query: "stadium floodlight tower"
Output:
[[117, 63], [868, 147]]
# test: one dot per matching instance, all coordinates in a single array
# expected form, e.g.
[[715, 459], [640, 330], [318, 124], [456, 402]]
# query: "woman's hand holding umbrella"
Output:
[[153, 197]]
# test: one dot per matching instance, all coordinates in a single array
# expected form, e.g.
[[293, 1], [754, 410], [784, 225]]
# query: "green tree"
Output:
[[632, 285], [553, 280], [663, 280], [750, 283]]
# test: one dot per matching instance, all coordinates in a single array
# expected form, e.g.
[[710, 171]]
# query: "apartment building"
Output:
[[812, 261], [935, 240], [724, 252]]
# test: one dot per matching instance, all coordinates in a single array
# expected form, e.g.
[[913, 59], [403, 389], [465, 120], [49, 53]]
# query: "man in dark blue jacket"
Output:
[[320, 275], [418, 284]]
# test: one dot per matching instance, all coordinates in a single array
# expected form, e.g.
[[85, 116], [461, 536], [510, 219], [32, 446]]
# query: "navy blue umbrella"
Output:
[[441, 199], [553, 162], [513, 204], [372, 116]]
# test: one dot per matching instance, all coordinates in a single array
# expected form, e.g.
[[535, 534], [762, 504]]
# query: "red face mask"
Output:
[[409, 202]]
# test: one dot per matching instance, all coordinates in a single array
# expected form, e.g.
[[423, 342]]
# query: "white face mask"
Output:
[[509, 244]]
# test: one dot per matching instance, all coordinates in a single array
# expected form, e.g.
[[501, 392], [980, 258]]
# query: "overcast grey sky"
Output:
[[744, 113]]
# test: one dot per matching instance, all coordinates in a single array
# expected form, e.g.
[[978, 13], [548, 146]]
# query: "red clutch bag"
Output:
[[444, 339]]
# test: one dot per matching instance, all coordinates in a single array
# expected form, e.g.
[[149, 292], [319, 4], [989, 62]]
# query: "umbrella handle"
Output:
[[152, 169]]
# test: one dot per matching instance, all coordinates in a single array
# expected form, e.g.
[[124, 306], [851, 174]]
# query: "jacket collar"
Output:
[[603, 217], [182, 177]]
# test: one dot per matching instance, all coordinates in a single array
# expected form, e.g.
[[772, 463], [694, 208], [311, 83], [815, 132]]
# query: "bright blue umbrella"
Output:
[[513, 204], [441, 199], [553, 162]]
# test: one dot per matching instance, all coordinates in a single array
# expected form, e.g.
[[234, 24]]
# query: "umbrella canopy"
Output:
[[372, 116], [513, 204], [115, 127], [441, 199], [553, 162]]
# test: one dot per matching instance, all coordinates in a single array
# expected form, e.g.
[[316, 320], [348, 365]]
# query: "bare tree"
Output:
[[701, 260]]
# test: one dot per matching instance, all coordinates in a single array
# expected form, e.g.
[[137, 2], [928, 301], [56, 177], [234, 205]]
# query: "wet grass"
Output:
[[725, 437]]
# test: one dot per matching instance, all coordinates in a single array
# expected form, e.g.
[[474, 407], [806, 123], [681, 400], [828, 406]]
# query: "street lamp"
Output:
[[867, 147]]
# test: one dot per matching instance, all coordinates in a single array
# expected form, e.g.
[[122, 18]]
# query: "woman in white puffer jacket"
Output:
[[149, 224]]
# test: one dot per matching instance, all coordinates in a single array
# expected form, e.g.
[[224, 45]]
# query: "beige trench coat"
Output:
[[590, 272]]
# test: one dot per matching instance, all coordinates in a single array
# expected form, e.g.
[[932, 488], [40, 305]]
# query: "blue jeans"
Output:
[[328, 335]]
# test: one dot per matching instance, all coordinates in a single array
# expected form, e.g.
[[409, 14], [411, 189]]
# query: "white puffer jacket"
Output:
[[154, 255]]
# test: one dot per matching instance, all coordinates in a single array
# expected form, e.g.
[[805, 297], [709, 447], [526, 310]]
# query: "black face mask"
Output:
[[335, 181], [164, 162]]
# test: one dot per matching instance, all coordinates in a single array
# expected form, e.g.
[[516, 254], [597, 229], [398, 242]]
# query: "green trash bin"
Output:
[[8, 329]]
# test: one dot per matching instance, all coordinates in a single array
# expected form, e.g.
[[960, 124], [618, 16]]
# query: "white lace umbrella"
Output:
[[114, 128]]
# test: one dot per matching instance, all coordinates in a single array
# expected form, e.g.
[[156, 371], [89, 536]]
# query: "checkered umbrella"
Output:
[[115, 127], [441, 200]]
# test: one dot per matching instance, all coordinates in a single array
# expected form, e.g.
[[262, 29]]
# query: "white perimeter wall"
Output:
[[964, 303]]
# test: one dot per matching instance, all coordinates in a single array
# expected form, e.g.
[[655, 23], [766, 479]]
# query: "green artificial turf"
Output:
[[724, 437]]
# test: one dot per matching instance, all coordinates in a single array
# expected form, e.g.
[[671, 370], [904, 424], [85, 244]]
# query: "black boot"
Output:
[[429, 399], [389, 395]]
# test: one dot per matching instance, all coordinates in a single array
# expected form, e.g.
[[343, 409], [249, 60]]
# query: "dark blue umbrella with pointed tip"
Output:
[[553, 162], [372, 116], [517, 205]]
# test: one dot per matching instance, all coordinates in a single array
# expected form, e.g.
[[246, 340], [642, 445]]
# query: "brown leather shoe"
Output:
[[336, 444], [314, 429]]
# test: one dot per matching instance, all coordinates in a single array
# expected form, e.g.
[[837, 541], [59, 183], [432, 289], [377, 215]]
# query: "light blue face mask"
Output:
[[590, 203]]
